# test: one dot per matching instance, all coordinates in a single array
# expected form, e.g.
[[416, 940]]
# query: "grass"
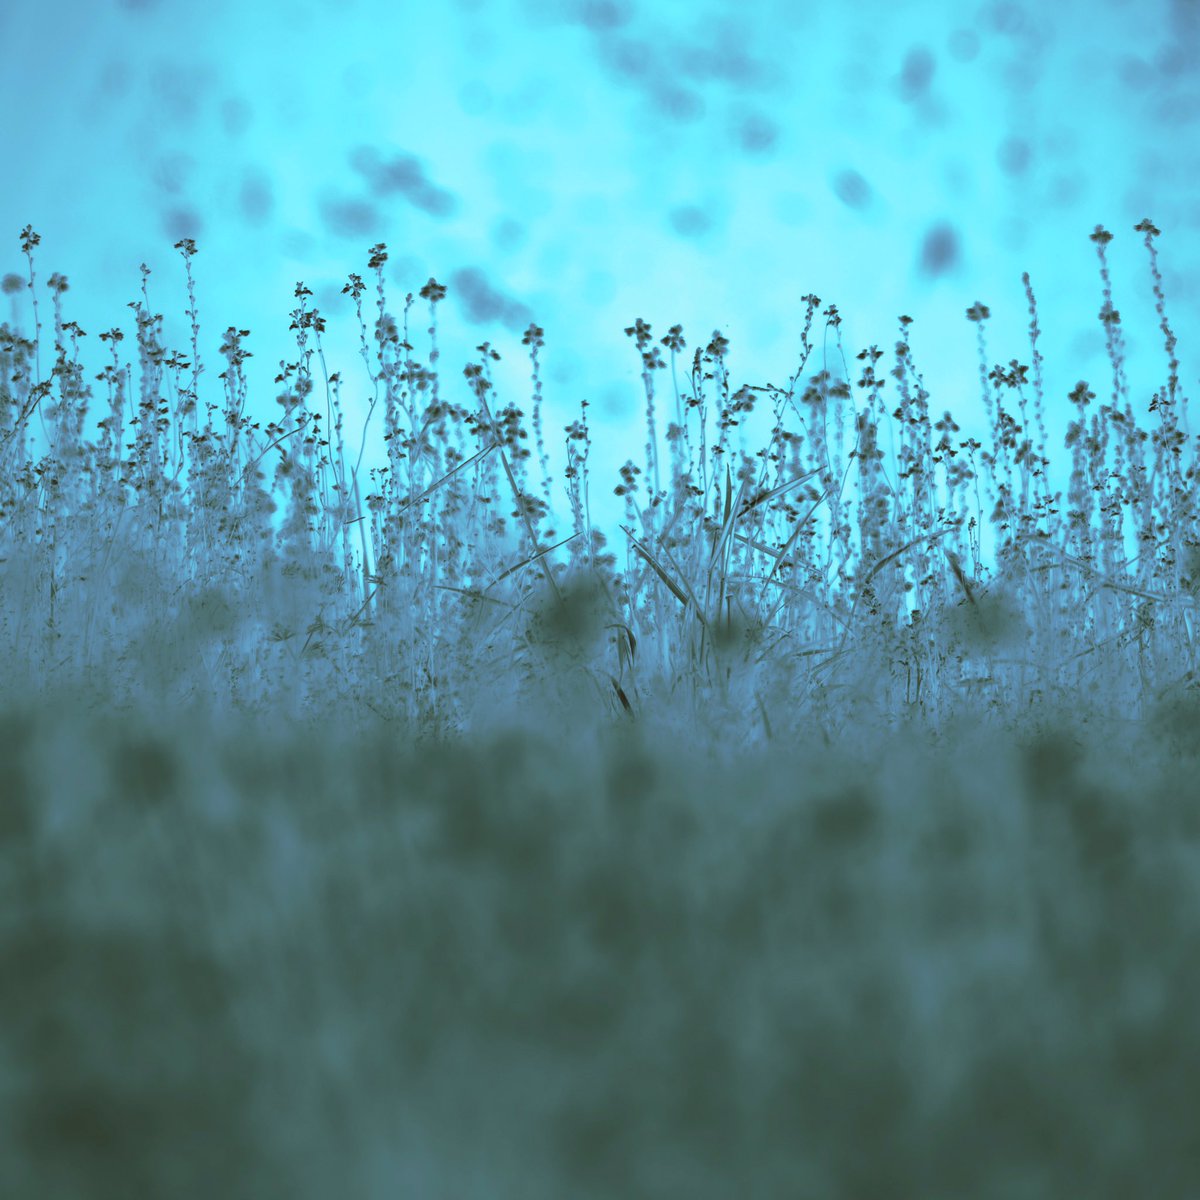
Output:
[[821, 579], [831, 834]]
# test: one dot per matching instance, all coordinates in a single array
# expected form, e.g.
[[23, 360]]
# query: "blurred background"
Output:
[[583, 163]]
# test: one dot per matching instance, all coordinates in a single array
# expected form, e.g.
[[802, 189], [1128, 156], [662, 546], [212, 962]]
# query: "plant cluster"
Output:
[[867, 564]]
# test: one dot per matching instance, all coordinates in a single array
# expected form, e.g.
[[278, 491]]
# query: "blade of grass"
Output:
[[791, 542], [883, 562], [433, 487], [532, 558], [684, 598]]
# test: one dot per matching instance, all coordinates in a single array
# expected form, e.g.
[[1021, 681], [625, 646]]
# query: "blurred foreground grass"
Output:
[[240, 961]]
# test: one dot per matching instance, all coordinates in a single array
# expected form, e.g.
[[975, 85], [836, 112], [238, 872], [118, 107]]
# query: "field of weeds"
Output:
[[832, 834]]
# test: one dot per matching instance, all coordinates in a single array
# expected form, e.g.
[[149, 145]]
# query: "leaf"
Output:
[[683, 597]]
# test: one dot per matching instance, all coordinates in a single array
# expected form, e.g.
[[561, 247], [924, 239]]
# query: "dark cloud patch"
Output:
[[170, 172], [180, 223], [179, 90], [256, 198], [114, 80], [403, 175], [509, 234], [329, 296], [852, 190], [689, 220], [940, 251], [628, 57], [1067, 189], [677, 103], [350, 218], [1177, 60], [722, 61], [1014, 156], [603, 15], [674, 75], [1006, 17], [916, 73], [757, 134], [481, 303], [1137, 73]]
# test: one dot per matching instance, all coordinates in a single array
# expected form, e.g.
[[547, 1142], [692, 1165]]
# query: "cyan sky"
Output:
[[582, 163]]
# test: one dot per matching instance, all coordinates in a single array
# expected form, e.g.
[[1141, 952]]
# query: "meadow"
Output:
[[830, 832]]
